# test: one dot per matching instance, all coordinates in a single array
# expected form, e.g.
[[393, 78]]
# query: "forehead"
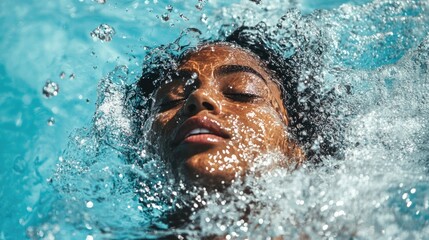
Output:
[[215, 55]]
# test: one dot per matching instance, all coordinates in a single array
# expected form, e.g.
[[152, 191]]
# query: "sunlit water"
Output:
[[72, 168]]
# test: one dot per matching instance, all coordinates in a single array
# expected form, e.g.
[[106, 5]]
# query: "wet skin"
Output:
[[221, 111]]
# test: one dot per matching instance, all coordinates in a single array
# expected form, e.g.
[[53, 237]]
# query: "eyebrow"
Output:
[[229, 69]]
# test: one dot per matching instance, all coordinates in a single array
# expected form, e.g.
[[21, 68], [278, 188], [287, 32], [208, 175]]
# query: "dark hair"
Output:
[[309, 110]]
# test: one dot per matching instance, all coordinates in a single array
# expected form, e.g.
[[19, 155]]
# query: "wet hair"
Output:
[[308, 111]]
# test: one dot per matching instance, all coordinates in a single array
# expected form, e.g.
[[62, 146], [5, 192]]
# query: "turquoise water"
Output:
[[55, 185]]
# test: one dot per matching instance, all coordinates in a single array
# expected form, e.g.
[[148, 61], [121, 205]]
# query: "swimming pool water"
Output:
[[379, 190]]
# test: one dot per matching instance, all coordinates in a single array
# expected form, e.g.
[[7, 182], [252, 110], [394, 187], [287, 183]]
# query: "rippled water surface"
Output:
[[69, 168]]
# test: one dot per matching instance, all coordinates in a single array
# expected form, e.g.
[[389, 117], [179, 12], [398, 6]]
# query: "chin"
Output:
[[202, 170]]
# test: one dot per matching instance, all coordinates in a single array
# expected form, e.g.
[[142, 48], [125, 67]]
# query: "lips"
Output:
[[200, 129]]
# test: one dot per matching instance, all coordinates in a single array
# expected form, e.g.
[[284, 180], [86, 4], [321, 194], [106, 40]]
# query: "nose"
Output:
[[201, 100]]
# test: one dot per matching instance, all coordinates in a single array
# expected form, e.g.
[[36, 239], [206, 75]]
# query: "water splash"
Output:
[[375, 189]]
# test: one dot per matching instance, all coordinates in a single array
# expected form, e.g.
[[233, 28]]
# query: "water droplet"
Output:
[[324, 208], [409, 203], [51, 121], [301, 87], [103, 32], [182, 16], [204, 18], [18, 121], [191, 80], [165, 17], [50, 89], [222, 227], [199, 6], [143, 153], [89, 204]]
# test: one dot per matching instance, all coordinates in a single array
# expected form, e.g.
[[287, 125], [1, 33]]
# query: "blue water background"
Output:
[[41, 39]]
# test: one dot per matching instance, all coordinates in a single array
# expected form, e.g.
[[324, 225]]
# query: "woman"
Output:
[[217, 109], [219, 106]]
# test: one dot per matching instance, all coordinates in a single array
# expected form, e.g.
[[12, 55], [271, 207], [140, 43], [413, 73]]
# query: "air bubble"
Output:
[[100, 1], [169, 8], [50, 89], [104, 32], [62, 75]]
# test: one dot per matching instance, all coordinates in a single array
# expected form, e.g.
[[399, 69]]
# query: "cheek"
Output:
[[161, 126], [259, 129]]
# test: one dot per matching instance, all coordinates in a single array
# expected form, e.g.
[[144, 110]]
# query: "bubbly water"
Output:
[[67, 176]]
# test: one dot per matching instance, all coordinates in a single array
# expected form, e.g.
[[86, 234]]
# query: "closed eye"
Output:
[[242, 97], [166, 105]]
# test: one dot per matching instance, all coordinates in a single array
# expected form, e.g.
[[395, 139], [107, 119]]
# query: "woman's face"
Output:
[[219, 113]]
